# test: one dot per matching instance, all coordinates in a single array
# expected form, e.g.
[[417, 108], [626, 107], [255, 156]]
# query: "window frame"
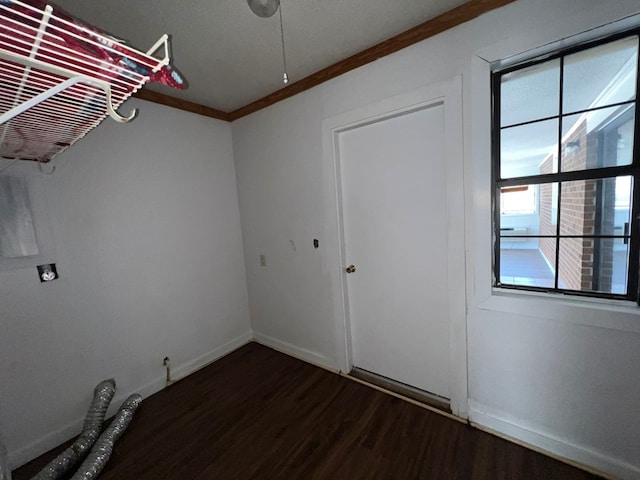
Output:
[[633, 170]]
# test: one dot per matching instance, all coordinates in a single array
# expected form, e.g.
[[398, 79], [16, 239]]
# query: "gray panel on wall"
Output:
[[17, 232]]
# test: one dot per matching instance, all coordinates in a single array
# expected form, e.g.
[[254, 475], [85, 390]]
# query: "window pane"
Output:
[[611, 73], [618, 263], [529, 149], [597, 265], [525, 258], [548, 207], [524, 266], [530, 94], [541, 220], [576, 263], [596, 207], [600, 138]]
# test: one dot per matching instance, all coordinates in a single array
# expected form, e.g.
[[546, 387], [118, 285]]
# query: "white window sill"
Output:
[[594, 312]]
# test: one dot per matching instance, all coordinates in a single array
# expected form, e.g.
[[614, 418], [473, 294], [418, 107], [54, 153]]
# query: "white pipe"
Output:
[[167, 364]]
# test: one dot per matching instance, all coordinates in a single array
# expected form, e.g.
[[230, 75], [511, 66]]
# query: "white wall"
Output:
[[148, 246], [556, 374]]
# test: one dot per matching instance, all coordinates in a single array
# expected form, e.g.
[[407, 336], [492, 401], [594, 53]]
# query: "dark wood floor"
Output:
[[259, 414]]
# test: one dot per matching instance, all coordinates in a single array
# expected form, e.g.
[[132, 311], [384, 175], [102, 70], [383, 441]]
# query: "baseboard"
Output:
[[501, 424], [210, 357], [296, 352], [23, 455]]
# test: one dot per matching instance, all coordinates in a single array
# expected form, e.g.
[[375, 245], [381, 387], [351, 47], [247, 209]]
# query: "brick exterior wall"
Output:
[[577, 213], [547, 227]]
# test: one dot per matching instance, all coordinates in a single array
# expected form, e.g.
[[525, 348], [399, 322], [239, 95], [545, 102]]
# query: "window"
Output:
[[566, 173]]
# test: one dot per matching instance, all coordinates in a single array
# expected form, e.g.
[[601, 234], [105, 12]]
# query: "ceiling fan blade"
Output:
[[264, 8]]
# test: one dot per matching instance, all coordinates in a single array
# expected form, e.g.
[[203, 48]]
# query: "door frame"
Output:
[[449, 94]]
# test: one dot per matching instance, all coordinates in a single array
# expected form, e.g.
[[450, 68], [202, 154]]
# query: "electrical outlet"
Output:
[[263, 261]]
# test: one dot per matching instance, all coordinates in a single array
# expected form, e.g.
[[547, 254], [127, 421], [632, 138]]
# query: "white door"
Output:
[[395, 234]]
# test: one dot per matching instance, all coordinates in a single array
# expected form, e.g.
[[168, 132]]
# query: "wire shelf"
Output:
[[60, 78]]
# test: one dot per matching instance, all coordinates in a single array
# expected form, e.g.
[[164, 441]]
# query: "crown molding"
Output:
[[450, 19], [169, 101]]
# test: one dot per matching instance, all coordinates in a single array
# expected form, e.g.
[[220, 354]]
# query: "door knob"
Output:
[[351, 268]]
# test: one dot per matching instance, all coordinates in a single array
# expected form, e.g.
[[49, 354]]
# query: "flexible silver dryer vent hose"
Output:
[[101, 451], [102, 395]]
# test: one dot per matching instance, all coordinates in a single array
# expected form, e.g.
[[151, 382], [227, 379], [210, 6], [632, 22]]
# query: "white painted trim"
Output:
[[478, 173], [456, 278], [450, 94], [308, 356], [17, 458], [508, 427], [23, 455], [624, 316], [208, 358], [508, 54]]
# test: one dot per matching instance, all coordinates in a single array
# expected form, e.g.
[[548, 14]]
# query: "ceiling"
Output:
[[230, 57]]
